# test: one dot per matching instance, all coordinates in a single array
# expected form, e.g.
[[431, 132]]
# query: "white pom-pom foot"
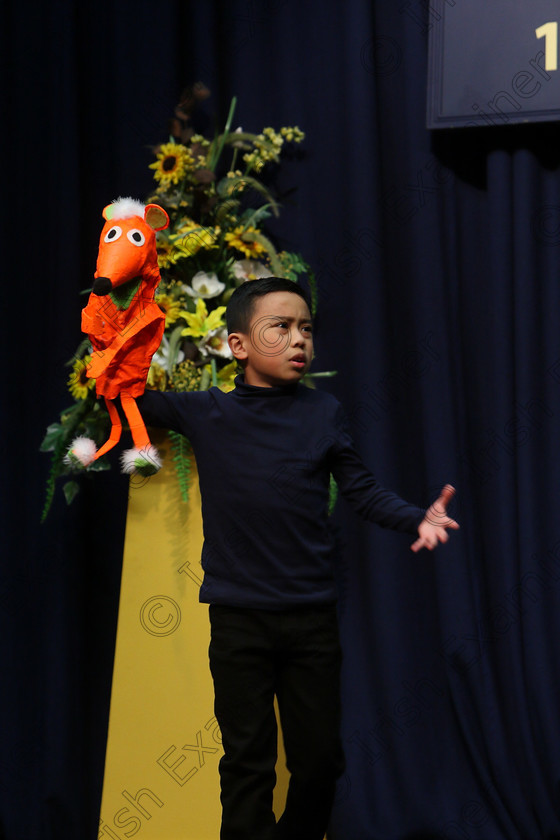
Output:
[[144, 461], [81, 453]]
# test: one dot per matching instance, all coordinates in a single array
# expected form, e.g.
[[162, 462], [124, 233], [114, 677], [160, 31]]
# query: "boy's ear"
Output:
[[236, 343]]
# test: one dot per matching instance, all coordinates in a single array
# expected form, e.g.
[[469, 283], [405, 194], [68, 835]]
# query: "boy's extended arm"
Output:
[[376, 504], [160, 410], [370, 499]]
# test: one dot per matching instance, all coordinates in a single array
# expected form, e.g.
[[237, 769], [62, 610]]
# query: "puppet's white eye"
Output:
[[136, 237], [113, 234]]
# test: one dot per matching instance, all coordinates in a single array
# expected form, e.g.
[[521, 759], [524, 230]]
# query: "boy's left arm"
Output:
[[433, 528]]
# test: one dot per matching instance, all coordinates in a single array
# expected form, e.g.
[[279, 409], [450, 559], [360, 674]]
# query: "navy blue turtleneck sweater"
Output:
[[264, 458]]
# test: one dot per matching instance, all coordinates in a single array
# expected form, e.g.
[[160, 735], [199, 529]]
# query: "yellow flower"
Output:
[[157, 377], [254, 161], [186, 376], [225, 375], [200, 322], [247, 247], [190, 238], [292, 134], [170, 307], [173, 161], [78, 383], [165, 252], [199, 140]]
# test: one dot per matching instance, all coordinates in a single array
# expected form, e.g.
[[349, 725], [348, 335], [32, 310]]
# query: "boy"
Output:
[[265, 452]]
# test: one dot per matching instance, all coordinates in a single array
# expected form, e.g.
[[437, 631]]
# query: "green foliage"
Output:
[[83, 418], [70, 489], [182, 460], [333, 494]]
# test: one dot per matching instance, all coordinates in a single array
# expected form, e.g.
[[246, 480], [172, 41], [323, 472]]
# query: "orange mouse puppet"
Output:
[[125, 326]]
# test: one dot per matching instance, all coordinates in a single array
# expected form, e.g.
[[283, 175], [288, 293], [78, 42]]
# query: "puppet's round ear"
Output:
[[156, 217], [108, 212]]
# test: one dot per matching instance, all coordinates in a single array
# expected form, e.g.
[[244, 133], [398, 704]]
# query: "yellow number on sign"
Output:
[[549, 31]]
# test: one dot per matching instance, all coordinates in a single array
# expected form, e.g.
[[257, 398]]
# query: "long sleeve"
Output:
[[176, 412], [357, 484]]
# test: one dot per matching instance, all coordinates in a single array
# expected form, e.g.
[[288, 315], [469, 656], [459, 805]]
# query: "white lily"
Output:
[[205, 285], [249, 270], [215, 343], [161, 356]]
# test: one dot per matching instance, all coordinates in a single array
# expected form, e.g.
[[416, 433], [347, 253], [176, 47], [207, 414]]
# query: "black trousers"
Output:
[[295, 655]]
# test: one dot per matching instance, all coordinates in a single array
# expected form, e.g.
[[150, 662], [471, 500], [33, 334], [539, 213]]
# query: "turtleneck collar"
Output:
[[242, 389]]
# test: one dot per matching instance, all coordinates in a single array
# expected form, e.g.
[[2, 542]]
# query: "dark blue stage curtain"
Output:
[[437, 256]]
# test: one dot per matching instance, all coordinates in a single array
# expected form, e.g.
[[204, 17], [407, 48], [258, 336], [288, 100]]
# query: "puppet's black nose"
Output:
[[102, 286]]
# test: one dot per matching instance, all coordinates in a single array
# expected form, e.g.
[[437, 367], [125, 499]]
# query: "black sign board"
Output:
[[493, 62]]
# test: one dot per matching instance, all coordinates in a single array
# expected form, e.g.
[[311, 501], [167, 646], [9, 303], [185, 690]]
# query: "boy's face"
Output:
[[278, 348]]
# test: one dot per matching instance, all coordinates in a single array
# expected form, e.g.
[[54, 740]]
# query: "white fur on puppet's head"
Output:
[[124, 208]]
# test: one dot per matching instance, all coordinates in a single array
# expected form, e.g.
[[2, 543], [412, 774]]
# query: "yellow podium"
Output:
[[164, 744]]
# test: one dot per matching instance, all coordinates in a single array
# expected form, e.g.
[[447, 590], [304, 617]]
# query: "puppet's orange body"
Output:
[[124, 334], [106, 326], [124, 324]]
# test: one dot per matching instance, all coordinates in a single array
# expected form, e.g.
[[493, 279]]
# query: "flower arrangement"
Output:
[[217, 199]]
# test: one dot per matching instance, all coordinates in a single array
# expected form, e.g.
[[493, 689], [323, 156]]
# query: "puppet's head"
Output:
[[127, 248]]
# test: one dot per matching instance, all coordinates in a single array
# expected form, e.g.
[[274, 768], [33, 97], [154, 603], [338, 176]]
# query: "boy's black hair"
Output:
[[241, 304]]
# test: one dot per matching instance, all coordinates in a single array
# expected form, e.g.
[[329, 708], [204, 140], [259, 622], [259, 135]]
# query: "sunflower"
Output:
[[78, 383], [241, 238], [172, 164], [165, 252], [170, 307]]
